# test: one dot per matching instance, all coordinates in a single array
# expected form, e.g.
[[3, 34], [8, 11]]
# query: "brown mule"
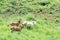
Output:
[[15, 23], [19, 28]]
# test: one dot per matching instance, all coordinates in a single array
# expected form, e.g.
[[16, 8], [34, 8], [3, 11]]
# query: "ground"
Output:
[[47, 19]]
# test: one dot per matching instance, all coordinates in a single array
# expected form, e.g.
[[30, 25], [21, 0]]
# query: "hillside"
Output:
[[45, 12]]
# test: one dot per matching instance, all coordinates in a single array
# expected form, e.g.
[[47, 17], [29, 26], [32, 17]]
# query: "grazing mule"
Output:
[[15, 23], [19, 28], [30, 23]]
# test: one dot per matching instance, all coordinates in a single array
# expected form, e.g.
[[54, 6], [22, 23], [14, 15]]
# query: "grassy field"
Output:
[[46, 13]]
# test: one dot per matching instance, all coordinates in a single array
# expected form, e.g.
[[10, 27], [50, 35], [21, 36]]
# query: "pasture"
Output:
[[45, 12]]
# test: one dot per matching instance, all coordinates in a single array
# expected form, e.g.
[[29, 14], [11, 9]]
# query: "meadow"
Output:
[[46, 13]]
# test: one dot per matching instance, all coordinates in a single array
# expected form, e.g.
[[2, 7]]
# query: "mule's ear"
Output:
[[34, 22]]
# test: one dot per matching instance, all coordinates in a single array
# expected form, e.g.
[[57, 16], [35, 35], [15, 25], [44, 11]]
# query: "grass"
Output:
[[45, 29], [45, 12]]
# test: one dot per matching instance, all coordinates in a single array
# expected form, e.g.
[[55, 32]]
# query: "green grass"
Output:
[[45, 29], [45, 12]]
